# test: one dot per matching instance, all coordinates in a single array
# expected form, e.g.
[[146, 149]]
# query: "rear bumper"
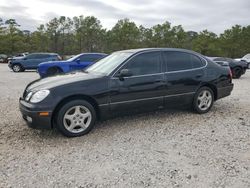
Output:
[[31, 115], [224, 91]]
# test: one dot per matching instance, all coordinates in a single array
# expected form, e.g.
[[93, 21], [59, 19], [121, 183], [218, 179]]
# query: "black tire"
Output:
[[60, 118], [17, 68], [237, 72], [196, 101], [53, 71]]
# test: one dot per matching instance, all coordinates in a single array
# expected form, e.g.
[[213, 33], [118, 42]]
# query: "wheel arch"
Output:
[[17, 63], [20, 64], [87, 98], [212, 87], [55, 67]]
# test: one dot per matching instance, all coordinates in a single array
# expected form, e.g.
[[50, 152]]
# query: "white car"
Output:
[[245, 58]]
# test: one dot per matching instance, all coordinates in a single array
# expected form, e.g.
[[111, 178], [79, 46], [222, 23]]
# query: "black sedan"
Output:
[[125, 82], [238, 68]]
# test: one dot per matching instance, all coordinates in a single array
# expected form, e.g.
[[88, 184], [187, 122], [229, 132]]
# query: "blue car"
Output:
[[77, 62], [31, 61]]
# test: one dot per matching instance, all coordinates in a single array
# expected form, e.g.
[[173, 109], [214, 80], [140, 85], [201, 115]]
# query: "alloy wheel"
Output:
[[16, 68], [204, 100], [77, 119]]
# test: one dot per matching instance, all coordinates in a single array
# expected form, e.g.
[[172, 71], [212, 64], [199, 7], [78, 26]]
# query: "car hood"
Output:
[[59, 80]]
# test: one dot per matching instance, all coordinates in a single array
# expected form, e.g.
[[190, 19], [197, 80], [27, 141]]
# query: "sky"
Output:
[[195, 15]]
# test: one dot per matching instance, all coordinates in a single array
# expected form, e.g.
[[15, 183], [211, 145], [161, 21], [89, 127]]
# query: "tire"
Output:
[[53, 71], [17, 68], [75, 118], [237, 72], [204, 95]]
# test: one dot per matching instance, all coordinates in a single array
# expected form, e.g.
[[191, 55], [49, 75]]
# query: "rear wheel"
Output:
[[76, 118], [17, 68], [237, 72], [53, 71], [203, 100]]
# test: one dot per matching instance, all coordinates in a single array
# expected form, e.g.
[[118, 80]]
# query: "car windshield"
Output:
[[73, 58], [109, 63]]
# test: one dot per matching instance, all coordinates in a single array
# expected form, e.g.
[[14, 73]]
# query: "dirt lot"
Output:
[[173, 148]]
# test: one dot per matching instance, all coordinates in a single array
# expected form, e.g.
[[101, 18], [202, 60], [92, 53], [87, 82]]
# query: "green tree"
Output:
[[85, 34], [12, 35], [234, 41], [124, 35], [206, 43], [145, 39], [53, 33]]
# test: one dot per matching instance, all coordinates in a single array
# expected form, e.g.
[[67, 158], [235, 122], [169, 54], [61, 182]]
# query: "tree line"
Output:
[[68, 36]]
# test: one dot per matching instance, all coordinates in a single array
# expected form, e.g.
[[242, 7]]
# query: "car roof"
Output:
[[92, 53], [133, 51], [44, 53]]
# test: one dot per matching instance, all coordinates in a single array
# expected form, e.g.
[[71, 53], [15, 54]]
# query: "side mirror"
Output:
[[125, 73]]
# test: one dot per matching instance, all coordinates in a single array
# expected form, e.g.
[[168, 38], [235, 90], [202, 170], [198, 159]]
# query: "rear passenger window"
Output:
[[178, 61], [196, 61], [146, 63]]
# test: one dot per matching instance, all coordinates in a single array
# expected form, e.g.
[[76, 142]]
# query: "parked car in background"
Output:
[[18, 56], [237, 68], [246, 59], [77, 62], [125, 82], [3, 58], [32, 61]]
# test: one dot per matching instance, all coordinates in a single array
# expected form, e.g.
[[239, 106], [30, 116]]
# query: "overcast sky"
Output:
[[196, 15]]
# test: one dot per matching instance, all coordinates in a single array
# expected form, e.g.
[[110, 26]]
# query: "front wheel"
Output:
[[76, 118], [203, 100], [53, 71], [17, 68]]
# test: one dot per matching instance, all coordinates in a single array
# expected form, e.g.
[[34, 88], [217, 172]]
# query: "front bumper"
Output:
[[10, 65], [224, 91], [32, 116]]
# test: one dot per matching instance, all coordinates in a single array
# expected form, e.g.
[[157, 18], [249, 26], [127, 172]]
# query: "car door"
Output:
[[41, 58], [30, 61], [143, 90], [184, 75], [79, 63]]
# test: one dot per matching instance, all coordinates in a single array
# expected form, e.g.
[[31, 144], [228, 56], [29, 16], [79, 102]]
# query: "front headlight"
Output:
[[39, 96]]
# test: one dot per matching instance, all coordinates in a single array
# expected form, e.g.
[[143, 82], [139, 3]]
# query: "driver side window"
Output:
[[143, 64]]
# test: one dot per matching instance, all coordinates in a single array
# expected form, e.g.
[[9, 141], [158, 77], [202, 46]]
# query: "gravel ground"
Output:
[[172, 148]]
